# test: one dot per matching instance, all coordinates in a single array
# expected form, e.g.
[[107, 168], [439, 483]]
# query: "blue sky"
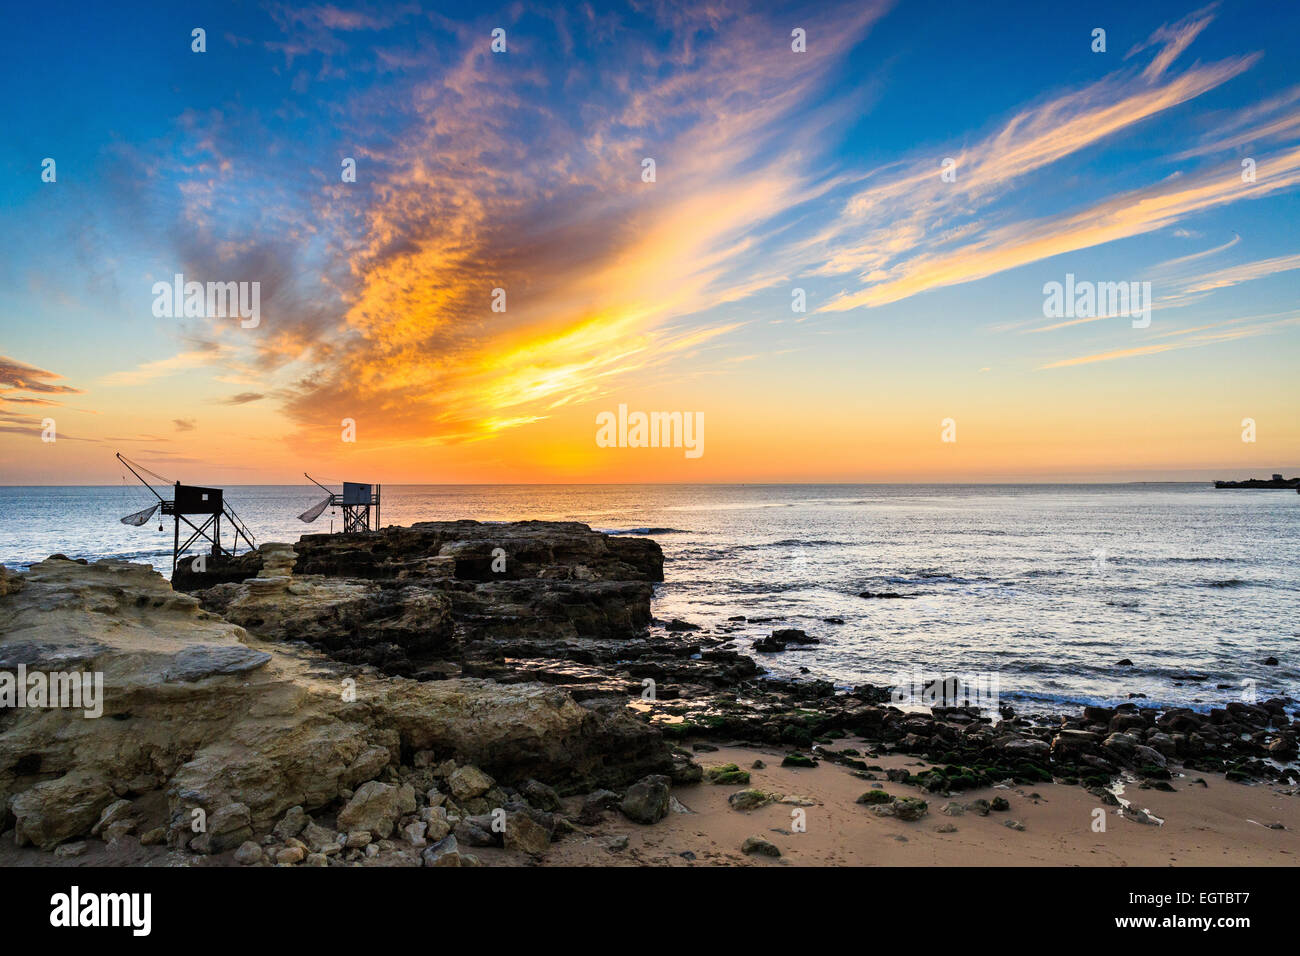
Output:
[[775, 170]]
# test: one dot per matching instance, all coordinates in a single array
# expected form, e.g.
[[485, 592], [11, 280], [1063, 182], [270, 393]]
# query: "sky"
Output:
[[918, 174]]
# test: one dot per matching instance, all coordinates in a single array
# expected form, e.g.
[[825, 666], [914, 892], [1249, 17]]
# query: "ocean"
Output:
[[1046, 587]]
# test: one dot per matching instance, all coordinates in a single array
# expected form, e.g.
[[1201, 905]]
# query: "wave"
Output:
[[786, 544], [938, 577], [641, 531]]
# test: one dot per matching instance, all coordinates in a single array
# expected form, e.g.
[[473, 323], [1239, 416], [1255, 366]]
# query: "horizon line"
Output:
[[634, 484]]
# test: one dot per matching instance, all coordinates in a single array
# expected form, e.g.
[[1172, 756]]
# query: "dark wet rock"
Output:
[[685, 771], [400, 597], [779, 640], [594, 806], [873, 797], [759, 845], [910, 808], [647, 800], [196, 663], [539, 795], [477, 831]]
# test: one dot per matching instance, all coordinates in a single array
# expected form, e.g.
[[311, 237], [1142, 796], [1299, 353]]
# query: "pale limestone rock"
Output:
[[468, 782], [216, 717]]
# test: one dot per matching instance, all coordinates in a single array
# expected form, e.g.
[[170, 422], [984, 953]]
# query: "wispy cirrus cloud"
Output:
[[161, 368], [920, 233], [1237, 274], [1187, 339]]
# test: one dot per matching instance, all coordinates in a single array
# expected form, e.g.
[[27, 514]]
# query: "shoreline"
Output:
[[557, 645]]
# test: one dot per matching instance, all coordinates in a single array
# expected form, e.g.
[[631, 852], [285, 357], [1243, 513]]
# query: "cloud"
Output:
[[183, 424], [533, 186], [14, 423], [908, 231], [378, 295], [1129, 214], [1243, 272], [18, 376], [160, 368], [1187, 338], [1172, 40]]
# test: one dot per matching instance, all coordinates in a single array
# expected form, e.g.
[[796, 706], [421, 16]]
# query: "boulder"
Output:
[[647, 799], [909, 808], [248, 854], [478, 831], [56, 810], [469, 781], [291, 824], [524, 834], [594, 806], [376, 807], [446, 852], [540, 795], [114, 812], [227, 828]]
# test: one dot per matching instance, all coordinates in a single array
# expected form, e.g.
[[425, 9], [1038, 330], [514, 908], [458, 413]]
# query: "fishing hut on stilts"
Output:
[[190, 504], [357, 500]]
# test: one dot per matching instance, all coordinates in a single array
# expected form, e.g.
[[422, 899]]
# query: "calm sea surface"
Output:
[[1048, 586]]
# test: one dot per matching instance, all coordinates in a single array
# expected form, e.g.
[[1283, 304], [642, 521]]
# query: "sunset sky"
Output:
[[775, 170]]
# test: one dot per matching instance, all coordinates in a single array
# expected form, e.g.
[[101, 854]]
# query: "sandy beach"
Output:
[[1221, 824]]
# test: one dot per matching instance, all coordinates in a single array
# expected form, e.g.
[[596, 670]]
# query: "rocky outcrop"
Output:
[[530, 601], [356, 621], [214, 719], [413, 599]]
